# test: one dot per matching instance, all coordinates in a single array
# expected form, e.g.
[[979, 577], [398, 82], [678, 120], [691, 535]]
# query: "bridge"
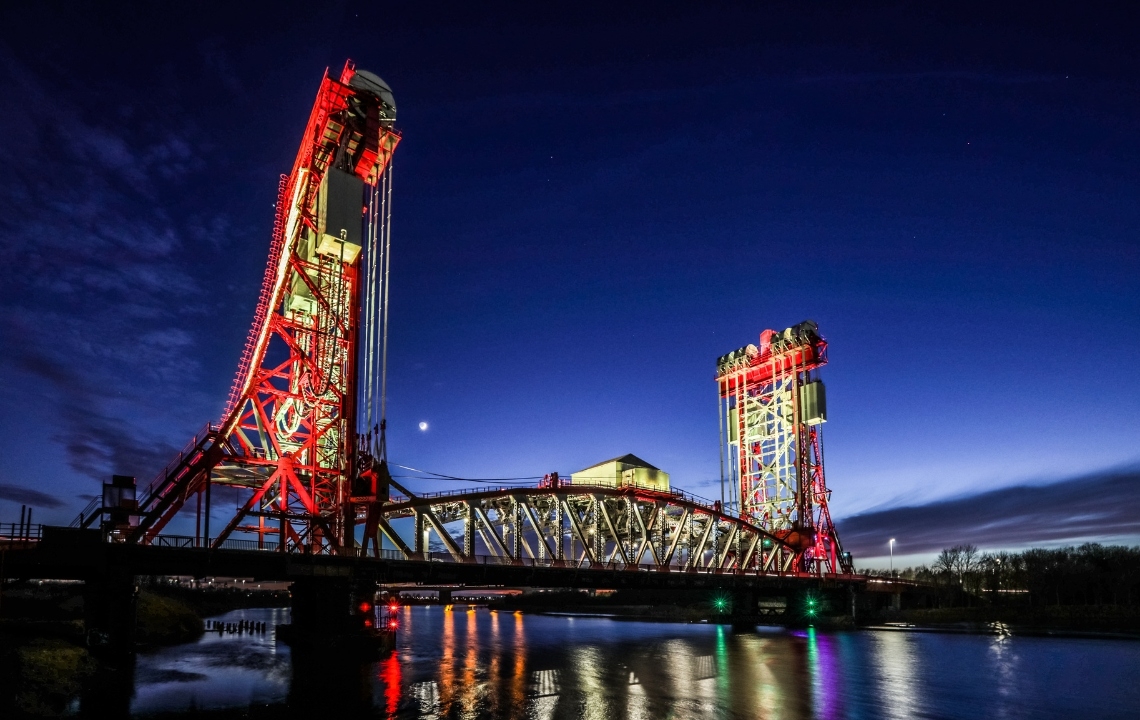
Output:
[[302, 441], [337, 582]]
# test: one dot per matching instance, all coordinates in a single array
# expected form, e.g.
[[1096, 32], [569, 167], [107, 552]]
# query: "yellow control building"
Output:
[[622, 471]]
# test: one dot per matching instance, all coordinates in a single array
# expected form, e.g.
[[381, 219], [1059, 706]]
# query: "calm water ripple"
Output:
[[464, 663]]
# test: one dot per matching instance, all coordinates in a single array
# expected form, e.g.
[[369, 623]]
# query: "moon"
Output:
[[423, 426]]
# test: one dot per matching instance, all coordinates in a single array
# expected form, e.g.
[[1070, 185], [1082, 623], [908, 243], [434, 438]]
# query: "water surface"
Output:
[[464, 663]]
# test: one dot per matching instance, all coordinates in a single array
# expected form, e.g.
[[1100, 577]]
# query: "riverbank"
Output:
[[45, 658], [1088, 621], [44, 655], [1079, 621]]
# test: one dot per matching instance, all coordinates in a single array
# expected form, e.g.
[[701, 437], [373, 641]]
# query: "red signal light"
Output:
[[393, 607], [367, 623], [392, 624], [365, 607]]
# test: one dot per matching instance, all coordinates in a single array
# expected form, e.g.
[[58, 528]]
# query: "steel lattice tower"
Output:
[[294, 411], [301, 437], [772, 408]]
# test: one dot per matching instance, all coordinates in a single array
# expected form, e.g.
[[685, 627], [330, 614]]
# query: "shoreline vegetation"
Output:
[[1092, 574], [44, 658], [1088, 590]]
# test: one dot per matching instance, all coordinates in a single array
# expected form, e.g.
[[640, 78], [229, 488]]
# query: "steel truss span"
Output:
[[584, 527]]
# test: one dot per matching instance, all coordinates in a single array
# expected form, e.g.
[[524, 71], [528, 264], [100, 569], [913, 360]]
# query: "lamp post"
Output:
[[892, 557]]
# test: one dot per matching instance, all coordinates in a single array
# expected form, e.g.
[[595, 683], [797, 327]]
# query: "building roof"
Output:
[[627, 459]]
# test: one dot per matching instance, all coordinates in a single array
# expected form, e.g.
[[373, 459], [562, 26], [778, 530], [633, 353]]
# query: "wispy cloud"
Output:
[[95, 285], [1072, 510], [27, 496]]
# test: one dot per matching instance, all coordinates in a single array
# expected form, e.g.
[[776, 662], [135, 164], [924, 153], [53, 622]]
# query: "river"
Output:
[[473, 663]]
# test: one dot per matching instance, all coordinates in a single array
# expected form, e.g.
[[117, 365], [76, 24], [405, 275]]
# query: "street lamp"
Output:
[[892, 557]]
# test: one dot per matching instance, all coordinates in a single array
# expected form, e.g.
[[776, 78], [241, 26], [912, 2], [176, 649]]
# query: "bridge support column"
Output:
[[445, 596], [744, 610], [326, 604], [110, 603], [333, 613]]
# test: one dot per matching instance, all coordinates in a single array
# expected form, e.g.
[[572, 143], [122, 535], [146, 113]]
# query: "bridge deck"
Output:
[[82, 555]]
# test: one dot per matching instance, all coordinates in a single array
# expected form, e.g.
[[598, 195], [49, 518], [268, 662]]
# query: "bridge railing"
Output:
[[673, 492], [188, 541], [445, 557], [240, 544], [443, 494], [156, 485], [93, 506], [19, 533], [537, 489]]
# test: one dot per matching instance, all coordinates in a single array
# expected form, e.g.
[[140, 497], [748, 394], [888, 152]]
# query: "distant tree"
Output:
[[1091, 574], [947, 561]]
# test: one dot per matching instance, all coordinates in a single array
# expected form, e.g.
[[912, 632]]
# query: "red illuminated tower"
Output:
[[301, 437], [773, 406]]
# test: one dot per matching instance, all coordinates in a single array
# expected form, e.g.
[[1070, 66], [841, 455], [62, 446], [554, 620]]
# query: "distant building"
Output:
[[621, 471]]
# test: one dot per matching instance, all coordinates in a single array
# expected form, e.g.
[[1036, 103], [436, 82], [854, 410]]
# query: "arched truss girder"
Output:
[[584, 527]]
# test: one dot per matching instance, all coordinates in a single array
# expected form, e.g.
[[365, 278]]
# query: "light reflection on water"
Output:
[[218, 670], [898, 665], [463, 663]]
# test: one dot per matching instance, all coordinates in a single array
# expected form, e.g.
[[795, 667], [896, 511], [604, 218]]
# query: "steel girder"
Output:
[[585, 527]]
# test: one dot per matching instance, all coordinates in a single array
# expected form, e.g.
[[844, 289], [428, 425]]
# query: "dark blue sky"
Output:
[[590, 207]]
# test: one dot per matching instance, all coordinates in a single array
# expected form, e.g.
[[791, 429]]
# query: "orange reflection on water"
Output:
[[470, 689], [518, 680], [493, 668], [447, 662]]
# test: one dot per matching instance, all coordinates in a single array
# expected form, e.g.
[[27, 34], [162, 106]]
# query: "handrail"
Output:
[[537, 489], [163, 476], [85, 513], [149, 492], [20, 532], [464, 491], [675, 492]]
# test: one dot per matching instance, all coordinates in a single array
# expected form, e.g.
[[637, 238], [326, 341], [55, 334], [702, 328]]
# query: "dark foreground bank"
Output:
[[48, 657]]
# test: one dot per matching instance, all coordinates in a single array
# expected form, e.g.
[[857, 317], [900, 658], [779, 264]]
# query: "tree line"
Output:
[[1091, 574]]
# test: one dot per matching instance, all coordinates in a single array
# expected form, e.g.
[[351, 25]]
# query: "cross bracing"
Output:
[[772, 406], [584, 527]]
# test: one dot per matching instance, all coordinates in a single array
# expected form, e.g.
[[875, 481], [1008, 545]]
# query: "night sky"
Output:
[[590, 207]]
